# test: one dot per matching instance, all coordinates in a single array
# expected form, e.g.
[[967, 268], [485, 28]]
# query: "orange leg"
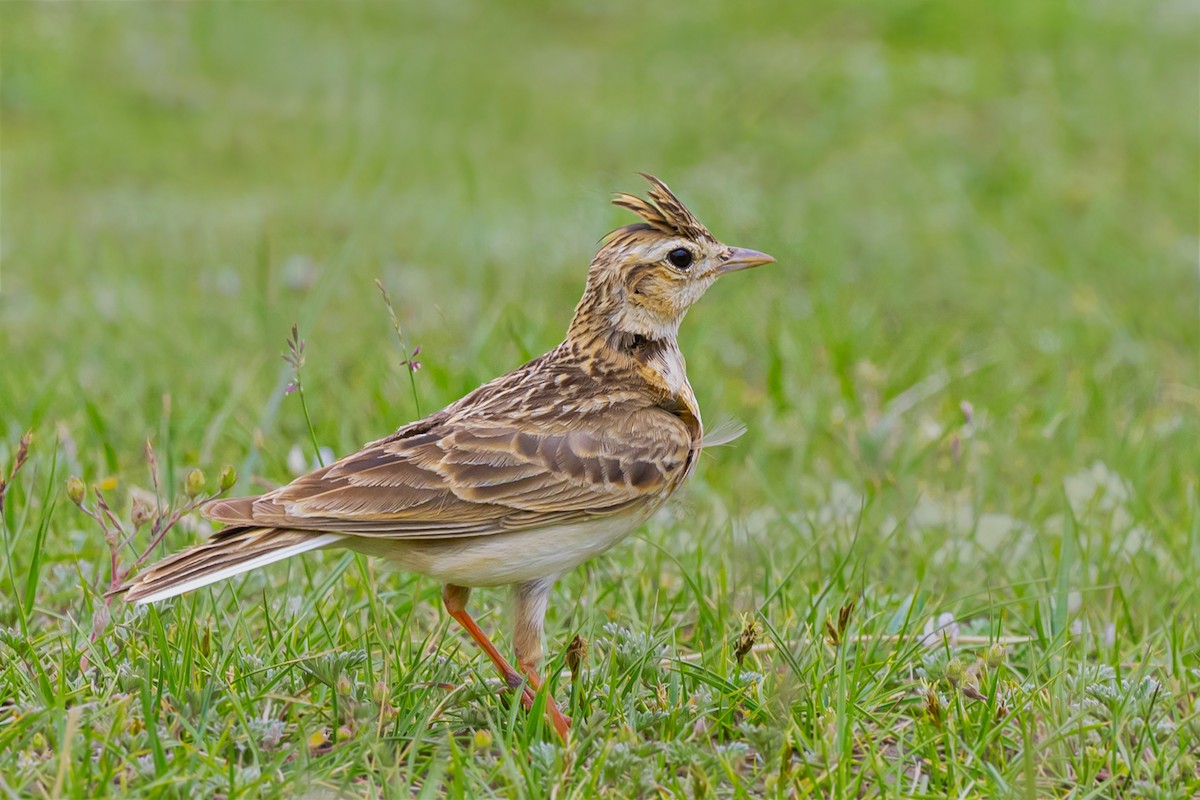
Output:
[[561, 722], [455, 598]]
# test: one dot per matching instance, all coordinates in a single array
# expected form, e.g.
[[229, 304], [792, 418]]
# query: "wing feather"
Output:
[[475, 476]]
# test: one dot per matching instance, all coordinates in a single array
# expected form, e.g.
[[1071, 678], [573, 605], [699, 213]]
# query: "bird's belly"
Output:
[[502, 558]]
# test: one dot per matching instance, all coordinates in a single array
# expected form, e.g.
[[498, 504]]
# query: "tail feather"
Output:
[[230, 552]]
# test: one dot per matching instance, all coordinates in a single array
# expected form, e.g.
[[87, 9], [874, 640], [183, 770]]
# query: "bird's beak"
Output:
[[741, 258]]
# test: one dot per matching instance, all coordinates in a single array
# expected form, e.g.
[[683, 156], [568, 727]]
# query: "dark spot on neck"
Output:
[[636, 345]]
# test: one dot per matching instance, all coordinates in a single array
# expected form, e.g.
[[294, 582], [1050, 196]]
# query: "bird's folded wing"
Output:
[[471, 478]]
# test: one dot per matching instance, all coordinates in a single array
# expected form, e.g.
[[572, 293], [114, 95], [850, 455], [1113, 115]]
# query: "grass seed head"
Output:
[[933, 705], [577, 653], [972, 691], [295, 349], [844, 615], [751, 632]]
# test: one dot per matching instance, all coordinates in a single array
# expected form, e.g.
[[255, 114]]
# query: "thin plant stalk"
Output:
[[409, 360], [295, 357]]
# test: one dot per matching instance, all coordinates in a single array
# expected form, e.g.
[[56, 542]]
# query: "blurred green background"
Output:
[[984, 315], [939, 181]]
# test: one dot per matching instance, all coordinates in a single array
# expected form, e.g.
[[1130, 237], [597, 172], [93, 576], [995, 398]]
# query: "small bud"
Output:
[[227, 478], [380, 693], [954, 671], [996, 655], [75, 489], [194, 483], [972, 691], [140, 513], [483, 739], [344, 686]]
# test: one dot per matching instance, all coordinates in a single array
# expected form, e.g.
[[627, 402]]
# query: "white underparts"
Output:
[[503, 558]]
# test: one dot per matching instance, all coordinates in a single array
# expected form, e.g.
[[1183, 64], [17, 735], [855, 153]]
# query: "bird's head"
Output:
[[647, 274]]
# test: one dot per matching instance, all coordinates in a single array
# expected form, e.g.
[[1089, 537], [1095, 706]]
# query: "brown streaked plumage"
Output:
[[525, 477]]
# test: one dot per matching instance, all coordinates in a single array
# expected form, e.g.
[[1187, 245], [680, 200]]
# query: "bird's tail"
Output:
[[229, 552]]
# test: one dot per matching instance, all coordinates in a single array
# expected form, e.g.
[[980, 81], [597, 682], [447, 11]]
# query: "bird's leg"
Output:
[[455, 598], [530, 601]]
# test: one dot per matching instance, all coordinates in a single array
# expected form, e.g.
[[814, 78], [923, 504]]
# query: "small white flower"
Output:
[[300, 271], [296, 463], [929, 430], [943, 627]]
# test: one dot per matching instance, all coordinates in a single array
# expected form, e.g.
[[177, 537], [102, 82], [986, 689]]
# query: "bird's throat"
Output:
[[625, 334], [658, 360]]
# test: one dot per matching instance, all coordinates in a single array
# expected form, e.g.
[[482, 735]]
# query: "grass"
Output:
[[971, 386]]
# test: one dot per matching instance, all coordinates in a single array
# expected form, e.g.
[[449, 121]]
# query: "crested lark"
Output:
[[527, 476]]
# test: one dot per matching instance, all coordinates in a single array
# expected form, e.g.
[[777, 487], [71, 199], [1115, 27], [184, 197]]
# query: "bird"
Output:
[[527, 476]]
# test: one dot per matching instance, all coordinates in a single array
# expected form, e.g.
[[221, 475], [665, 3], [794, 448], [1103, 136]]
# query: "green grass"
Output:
[[971, 384]]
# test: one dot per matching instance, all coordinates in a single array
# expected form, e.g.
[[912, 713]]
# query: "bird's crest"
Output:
[[664, 211]]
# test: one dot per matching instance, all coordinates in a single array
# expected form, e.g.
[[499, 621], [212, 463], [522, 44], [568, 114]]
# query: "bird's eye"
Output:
[[680, 258]]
